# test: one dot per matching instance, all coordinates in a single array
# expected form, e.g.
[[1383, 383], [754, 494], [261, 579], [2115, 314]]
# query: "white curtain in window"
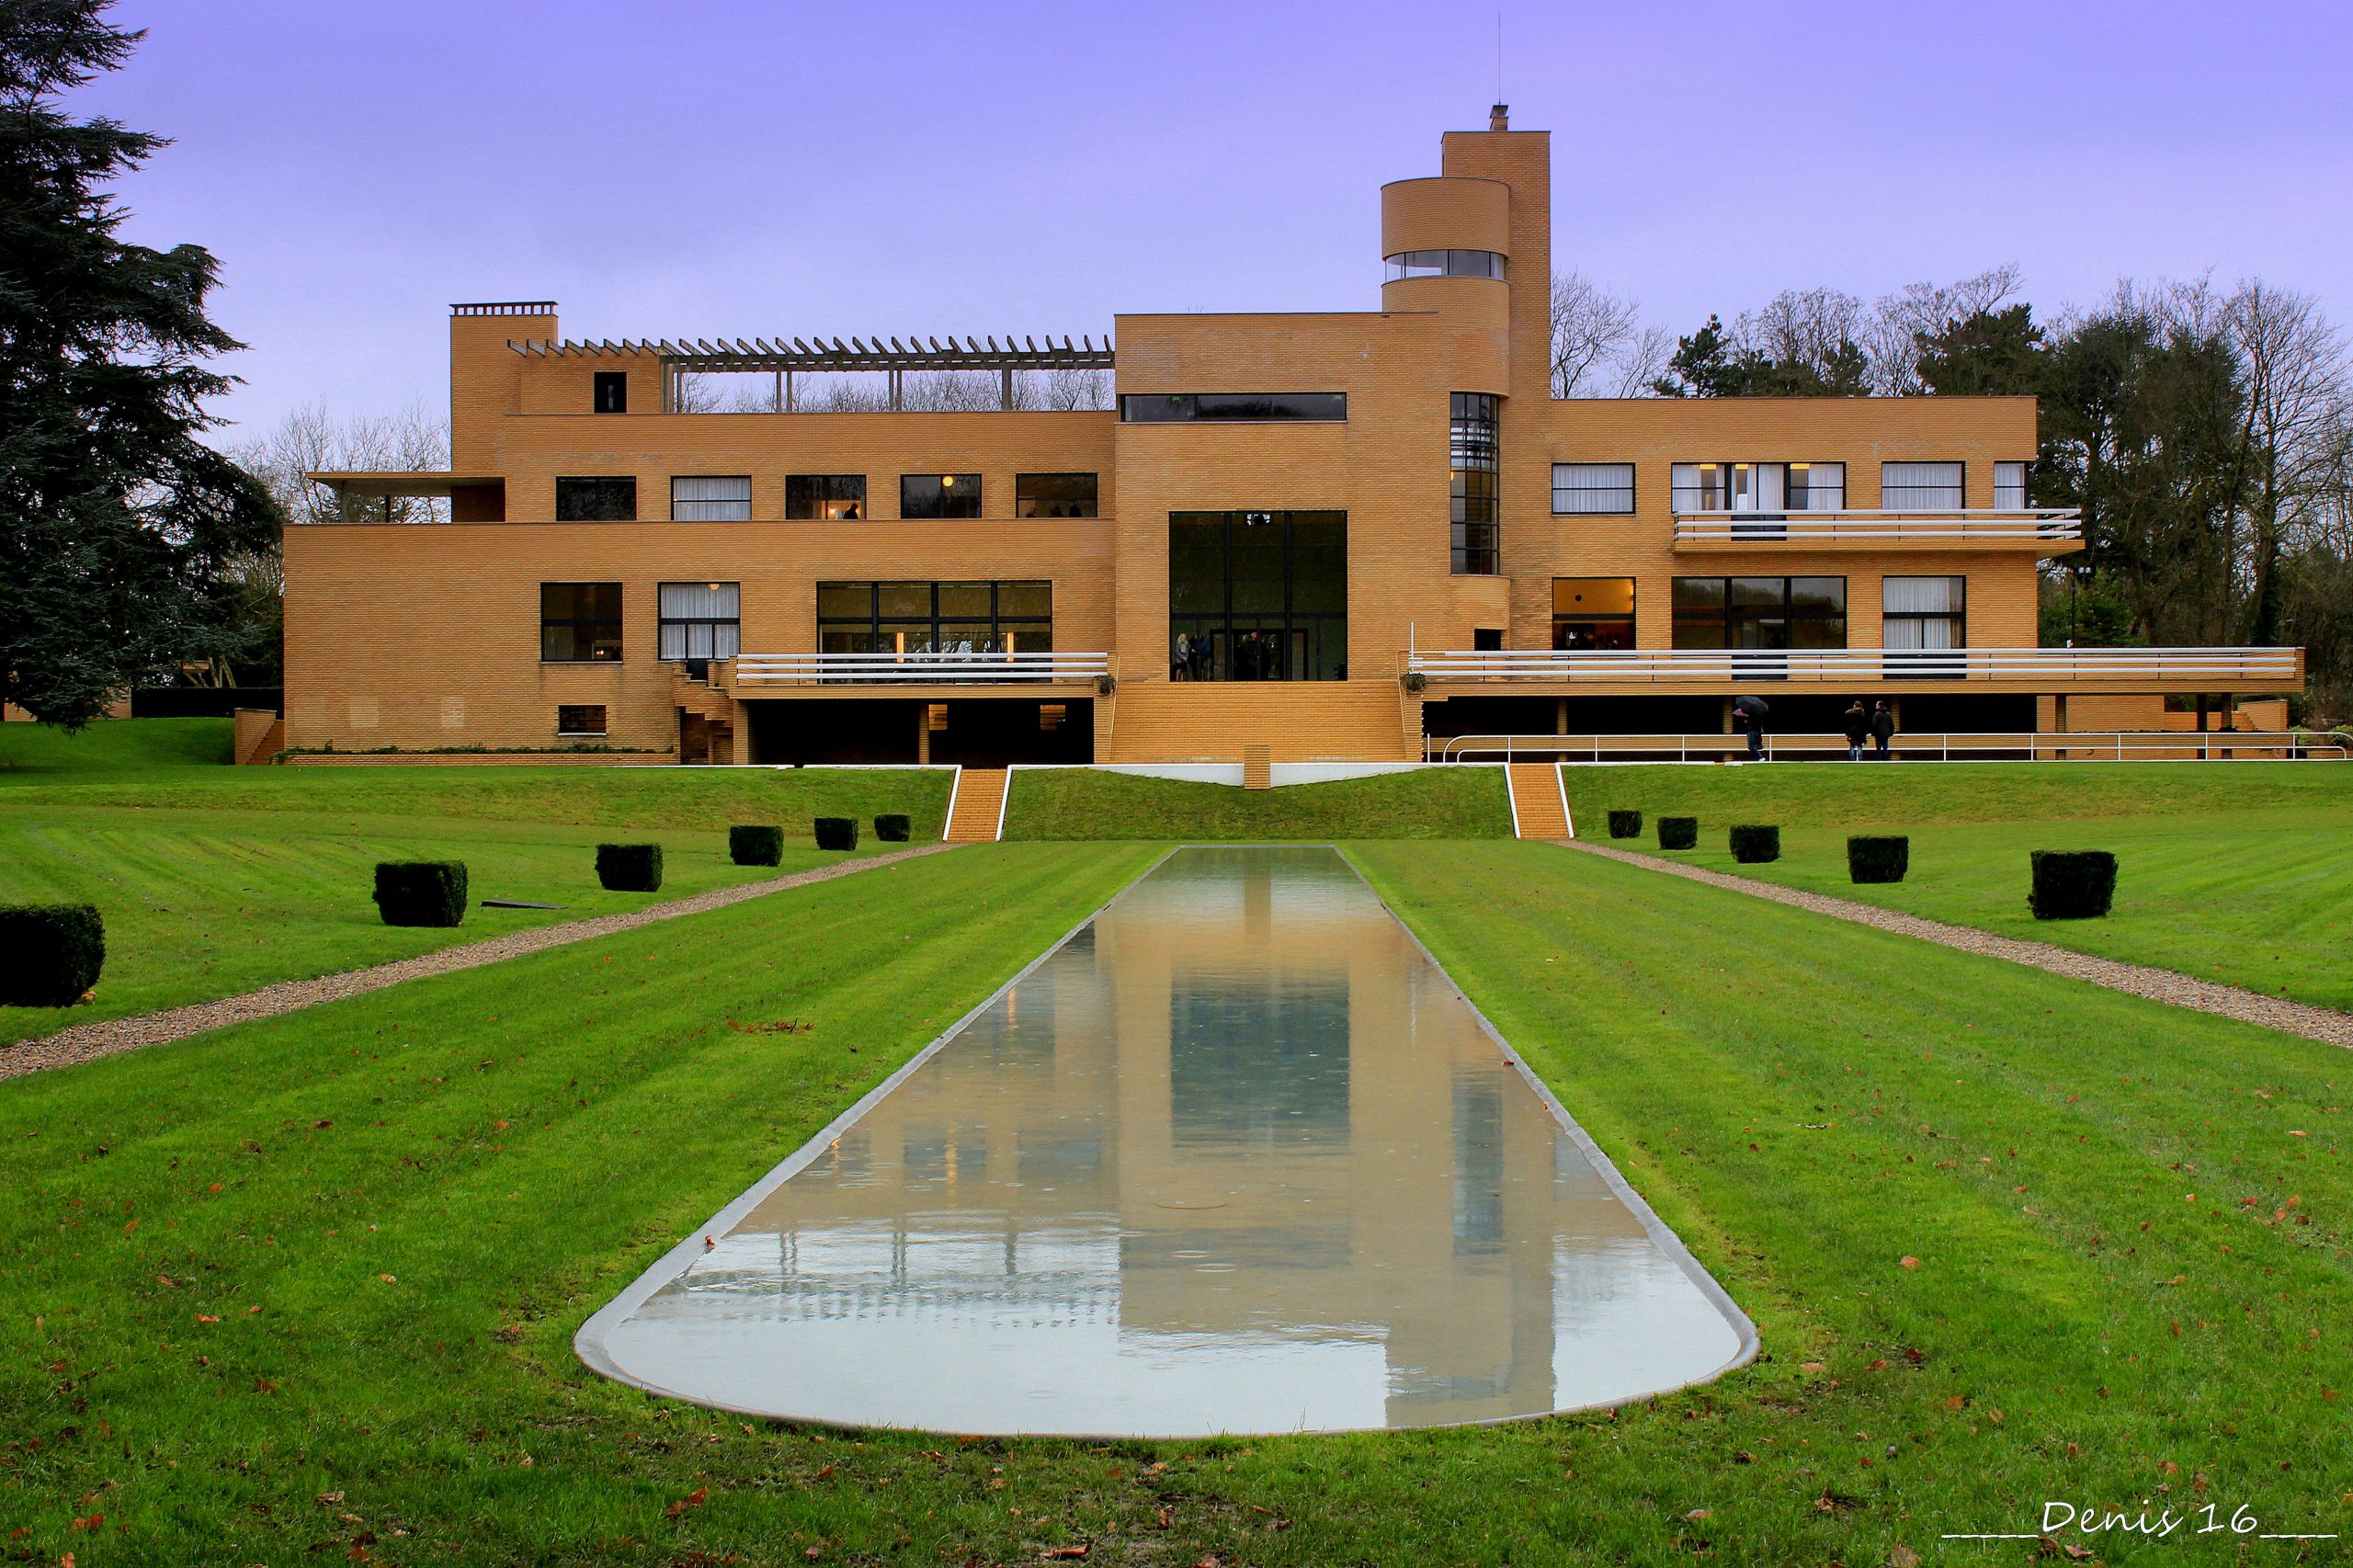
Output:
[[1921, 487], [1922, 612], [2009, 486], [1698, 487], [699, 621], [699, 601], [1593, 487], [1825, 486], [710, 498], [1922, 596]]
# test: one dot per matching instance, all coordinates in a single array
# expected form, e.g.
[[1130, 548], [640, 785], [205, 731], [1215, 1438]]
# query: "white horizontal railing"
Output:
[[2214, 746], [2189, 666], [2046, 525], [913, 669]]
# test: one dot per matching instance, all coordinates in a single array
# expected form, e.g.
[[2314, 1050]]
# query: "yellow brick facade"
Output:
[[428, 637]]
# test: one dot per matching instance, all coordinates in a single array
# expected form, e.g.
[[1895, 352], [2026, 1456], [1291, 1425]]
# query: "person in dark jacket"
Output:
[[1858, 730], [1750, 713], [1882, 727]]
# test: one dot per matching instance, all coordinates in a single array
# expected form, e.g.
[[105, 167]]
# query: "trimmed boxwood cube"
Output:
[[752, 844], [1625, 824], [629, 867], [1678, 833], [2071, 884], [1877, 859], [891, 828], [50, 953], [836, 833], [1753, 843], [421, 892]]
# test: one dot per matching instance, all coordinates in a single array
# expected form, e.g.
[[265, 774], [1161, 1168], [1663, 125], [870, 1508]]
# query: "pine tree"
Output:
[[116, 520]]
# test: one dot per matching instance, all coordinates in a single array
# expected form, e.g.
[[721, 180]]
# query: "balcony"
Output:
[[2120, 670], [754, 674], [2051, 530]]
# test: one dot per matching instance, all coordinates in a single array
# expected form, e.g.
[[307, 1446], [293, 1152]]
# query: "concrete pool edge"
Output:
[[1662, 1235], [589, 1342]]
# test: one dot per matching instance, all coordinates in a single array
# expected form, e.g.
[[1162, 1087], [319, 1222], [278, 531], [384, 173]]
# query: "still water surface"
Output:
[[1236, 1157]]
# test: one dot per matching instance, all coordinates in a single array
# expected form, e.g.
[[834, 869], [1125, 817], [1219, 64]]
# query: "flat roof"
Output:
[[394, 481]]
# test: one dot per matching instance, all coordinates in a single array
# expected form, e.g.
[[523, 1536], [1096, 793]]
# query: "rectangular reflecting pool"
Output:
[[1236, 1156]]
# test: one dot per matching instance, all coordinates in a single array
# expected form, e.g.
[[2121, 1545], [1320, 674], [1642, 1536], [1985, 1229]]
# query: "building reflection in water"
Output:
[[1237, 1157]]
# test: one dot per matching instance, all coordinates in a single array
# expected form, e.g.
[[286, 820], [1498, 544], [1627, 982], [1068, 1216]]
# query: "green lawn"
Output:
[[146, 763], [2133, 1273], [204, 903], [1066, 804], [215, 879], [2234, 872]]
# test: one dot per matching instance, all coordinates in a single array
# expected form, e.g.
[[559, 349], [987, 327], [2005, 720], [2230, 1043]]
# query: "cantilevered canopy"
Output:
[[836, 354], [373, 482]]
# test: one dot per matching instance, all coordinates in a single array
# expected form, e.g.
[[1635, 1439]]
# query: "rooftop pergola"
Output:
[[787, 356]]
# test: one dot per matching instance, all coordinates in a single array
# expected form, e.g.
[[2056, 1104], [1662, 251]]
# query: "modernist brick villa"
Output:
[[1365, 529]]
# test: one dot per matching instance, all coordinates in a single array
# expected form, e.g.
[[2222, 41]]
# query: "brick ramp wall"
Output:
[[1355, 721]]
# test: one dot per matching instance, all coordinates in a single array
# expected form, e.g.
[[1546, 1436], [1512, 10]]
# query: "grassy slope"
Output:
[[215, 879], [1064, 803], [2232, 872], [1797, 1098], [126, 773], [205, 904]]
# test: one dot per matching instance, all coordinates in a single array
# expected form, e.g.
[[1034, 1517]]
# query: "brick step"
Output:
[[978, 810], [1538, 808]]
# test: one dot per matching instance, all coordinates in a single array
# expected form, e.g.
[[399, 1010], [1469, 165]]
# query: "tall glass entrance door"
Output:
[[1258, 595]]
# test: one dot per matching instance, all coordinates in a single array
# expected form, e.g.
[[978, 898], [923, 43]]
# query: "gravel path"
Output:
[[84, 1042], [2323, 1024]]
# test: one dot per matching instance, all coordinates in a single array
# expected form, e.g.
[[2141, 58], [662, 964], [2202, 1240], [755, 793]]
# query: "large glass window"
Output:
[[710, 498], [1473, 450], [1925, 615], [1760, 613], [1258, 595], [2009, 486], [1053, 495], [825, 497], [580, 622], [929, 495], [1921, 487], [1593, 614], [1593, 487], [1817, 487], [701, 621], [1165, 408], [935, 617], [1770, 488], [603, 499], [1443, 264], [580, 719]]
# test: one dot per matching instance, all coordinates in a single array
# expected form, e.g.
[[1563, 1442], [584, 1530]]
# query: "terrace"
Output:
[[2045, 531], [2036, 670]]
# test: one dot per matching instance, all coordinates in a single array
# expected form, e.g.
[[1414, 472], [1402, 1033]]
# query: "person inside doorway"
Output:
[[1883, 728], [1250, 658], [1180, 666]]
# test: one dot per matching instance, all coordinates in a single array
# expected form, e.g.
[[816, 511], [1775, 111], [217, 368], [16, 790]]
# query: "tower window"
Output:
[[613, 391]]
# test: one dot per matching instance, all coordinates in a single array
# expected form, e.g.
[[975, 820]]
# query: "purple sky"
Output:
[[721, 166]]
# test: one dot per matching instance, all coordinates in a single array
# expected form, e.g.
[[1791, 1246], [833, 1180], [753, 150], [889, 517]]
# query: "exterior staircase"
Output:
[[1539, 808], [977, 813]]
